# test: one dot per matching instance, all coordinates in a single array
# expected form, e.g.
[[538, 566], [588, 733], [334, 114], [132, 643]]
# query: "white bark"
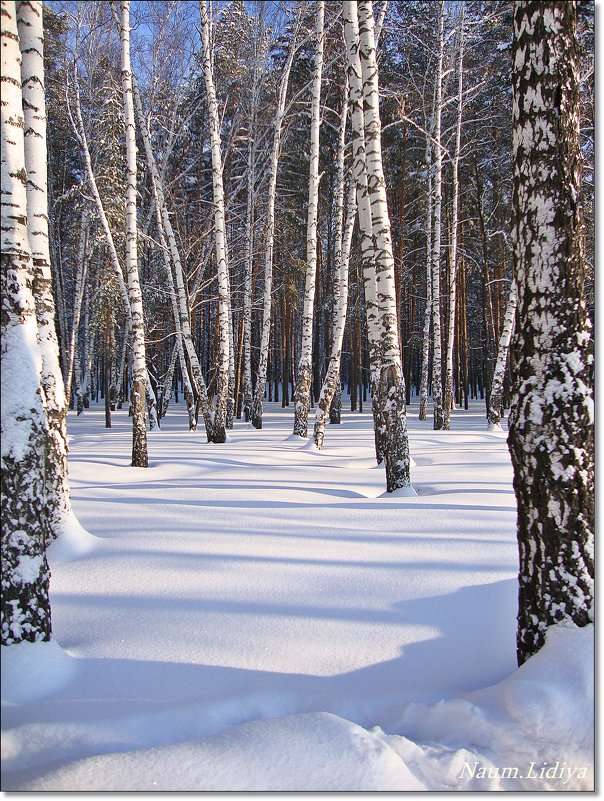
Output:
[[425, 374], [82, 270], [219, 432], [496, 394], [270, 239], [25, 516], [140, 378], [31, 43], [332, 377], [359, 171], [449, 399], [392, 429], [437, 390], [181, 315], [304, 373]]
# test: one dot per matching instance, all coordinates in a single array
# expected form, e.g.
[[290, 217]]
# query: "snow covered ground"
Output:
[[257, 616]]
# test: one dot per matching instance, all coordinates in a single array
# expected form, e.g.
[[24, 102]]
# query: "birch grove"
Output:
[[290, 229]]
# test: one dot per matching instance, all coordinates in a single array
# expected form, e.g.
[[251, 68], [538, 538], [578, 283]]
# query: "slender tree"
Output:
[[552, 418], [139, 362], [265, 330], [31, 43], [304, 373], [26, 517], [496, 393], [224, 361]]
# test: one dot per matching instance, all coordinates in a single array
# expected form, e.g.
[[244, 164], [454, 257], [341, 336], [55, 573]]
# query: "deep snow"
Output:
[[257, 615]]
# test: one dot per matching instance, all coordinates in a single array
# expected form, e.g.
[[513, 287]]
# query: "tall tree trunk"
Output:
[[496, 393], [449, 397], [82, 270], [270, 239], [304, 374], [26, 526], [139, 364], [378, 262], [332, 378], [552, 418], [31, 43], [437, 389], [223, 360], [425, 369]]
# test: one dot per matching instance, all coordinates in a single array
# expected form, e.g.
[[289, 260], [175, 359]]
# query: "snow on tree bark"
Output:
[[304, 373], [31, 43], [392, 445], [496, 394], [220, 411], [552, 417], [139, 365], [25, 515]]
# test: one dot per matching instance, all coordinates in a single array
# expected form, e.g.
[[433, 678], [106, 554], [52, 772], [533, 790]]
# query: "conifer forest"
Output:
[[298, 395]]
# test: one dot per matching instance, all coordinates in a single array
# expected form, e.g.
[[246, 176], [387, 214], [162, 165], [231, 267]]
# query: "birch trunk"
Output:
[[331, 384], [304, 373], [249, 257], [257, 403], [359, 171], [83, 257], [340, 282], [425, 374], [496, 394], [219, 427], [139, 367], [437, 389], [31, 43], [181, 317], [552, 417], [392, 429], [26, 525], [449, 398]]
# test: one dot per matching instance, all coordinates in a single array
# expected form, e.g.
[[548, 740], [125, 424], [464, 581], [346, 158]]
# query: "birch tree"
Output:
[[552, 418], [304, 372], [496, 393], [171, 255], [139, 363], [425, 369], [452, 294], [388, 385], [31, 44], [26, 525], [224, 362], [270, 233], [437, 389]]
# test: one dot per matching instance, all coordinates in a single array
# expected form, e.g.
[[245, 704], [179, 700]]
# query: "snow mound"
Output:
[[34, 670], [73, 542], [401, 492], [532, 731], [308, 752]]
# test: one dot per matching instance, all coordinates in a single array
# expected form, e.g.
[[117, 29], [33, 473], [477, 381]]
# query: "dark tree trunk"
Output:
[[552, 420]]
